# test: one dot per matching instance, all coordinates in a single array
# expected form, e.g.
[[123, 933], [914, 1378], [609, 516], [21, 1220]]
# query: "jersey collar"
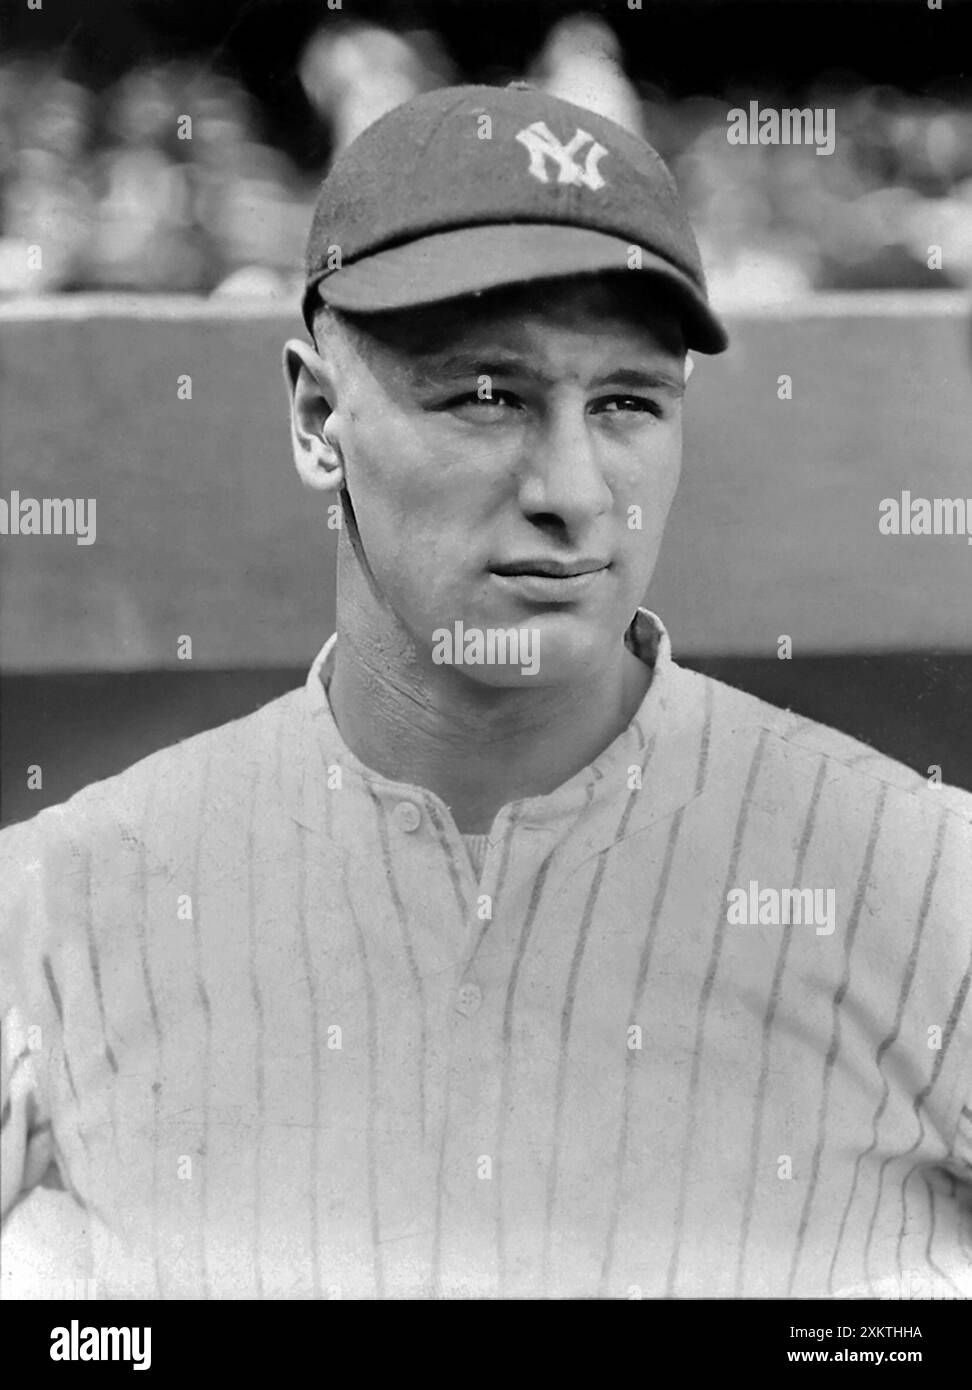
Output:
[[318, 746]]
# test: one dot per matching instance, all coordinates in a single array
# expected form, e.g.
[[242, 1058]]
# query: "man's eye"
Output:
[[618, 405], [494, 399]]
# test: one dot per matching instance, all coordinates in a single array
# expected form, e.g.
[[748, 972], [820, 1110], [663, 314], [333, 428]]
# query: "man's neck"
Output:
[[477, 747]]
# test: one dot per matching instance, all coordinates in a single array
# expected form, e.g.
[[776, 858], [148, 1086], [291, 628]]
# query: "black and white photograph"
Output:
[[486, 659]]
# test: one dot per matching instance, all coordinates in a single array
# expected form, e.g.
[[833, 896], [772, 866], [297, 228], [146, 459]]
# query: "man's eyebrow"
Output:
[[468, 364], [638, 380], [464, 364]]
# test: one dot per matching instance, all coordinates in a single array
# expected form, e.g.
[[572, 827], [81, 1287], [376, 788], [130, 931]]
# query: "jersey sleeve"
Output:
[[26, 1138], [961, 1152]]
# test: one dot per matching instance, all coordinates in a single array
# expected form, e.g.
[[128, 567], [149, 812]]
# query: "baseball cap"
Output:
[[470, 188]]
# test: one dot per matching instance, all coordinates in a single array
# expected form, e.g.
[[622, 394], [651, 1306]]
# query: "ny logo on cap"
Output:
[[540, 140]]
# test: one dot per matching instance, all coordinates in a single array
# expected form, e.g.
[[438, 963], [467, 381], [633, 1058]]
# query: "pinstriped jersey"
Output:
[[279, 1040]]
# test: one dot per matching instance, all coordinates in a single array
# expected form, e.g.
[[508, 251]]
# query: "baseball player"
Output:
[[506, 958]]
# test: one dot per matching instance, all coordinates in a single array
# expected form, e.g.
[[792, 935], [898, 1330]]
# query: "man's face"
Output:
[[488, 441]]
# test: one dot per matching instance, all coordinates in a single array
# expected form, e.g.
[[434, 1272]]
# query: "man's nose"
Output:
[[562, 474]]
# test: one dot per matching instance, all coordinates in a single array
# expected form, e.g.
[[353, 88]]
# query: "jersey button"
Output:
[[407, 816], [469, 999]]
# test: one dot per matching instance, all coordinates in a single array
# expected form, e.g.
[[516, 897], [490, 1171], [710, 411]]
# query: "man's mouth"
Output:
[[549, 582], [550, 569]]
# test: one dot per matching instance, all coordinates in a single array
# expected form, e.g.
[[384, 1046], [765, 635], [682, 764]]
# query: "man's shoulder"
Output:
[[215, 767], [795, 748]]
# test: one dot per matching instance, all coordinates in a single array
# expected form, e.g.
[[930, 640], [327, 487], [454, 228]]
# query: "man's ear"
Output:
[[311, 394]]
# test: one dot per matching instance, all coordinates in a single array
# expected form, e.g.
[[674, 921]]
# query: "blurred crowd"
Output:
[[166, 182], [119, 192]]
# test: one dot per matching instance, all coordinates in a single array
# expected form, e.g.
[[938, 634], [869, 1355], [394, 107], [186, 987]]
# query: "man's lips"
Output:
[[550, 569]]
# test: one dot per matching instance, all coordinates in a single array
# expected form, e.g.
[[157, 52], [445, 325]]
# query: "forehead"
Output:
[[590, 314]]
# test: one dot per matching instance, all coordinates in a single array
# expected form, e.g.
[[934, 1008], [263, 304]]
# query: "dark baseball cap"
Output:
[[470, 188]]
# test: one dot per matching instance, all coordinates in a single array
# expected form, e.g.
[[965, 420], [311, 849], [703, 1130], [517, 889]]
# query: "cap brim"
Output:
[[469, 260]]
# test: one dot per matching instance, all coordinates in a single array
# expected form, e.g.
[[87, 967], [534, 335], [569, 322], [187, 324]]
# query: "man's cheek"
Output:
[[644, 514], [662, 496]]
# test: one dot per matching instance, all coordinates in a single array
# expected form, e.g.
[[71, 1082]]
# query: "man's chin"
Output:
[[549, 648]]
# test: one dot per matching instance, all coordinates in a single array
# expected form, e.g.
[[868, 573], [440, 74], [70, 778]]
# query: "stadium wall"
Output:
[[202, 528]]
